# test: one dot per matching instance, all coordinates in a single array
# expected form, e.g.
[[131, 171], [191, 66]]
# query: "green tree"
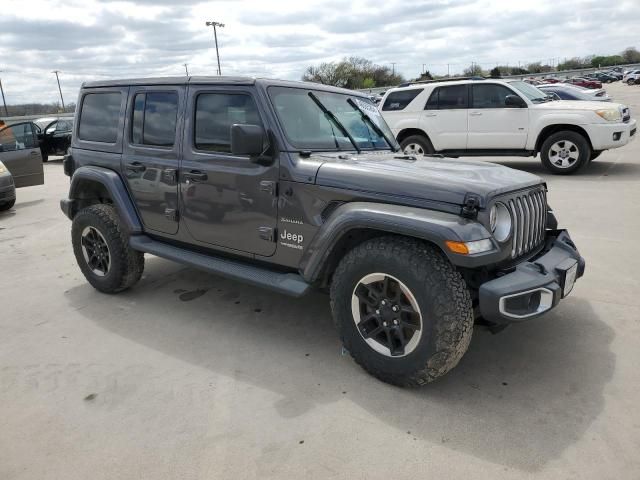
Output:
[[473, 70], [352, 72], [495, 72], [631, 55], [368, 83]]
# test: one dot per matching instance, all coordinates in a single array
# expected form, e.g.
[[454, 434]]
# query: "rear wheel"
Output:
[[402, 310], [101, 247], [565, 152], [417, 145]]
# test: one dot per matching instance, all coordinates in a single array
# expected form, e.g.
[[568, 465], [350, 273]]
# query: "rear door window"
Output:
[[99, 117], [399, 100], [154, 120], [448, 98]]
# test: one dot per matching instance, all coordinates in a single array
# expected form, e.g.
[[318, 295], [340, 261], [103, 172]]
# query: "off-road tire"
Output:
[[584, 151], [420, 140], [7, 205], [126, 265], [440, 291]]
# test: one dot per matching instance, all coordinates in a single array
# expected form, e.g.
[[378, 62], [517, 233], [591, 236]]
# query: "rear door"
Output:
[[151, 152], [445, 117], [492, 124], [20, 153]]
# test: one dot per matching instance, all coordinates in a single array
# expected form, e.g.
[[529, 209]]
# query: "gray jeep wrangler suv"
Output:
[[293, 186]]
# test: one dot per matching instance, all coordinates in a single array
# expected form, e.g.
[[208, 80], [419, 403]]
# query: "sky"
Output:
[[98, 39]]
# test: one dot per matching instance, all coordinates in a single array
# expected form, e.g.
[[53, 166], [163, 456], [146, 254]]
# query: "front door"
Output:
[[492, 124], [226, 200], [151, 151], [20, 153]]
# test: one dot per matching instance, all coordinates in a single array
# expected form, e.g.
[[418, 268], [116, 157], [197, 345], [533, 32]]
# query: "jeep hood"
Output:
[[428, 178]]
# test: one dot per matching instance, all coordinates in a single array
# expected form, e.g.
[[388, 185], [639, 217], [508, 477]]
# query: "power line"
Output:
[[215, 36], [59, 89], [6, 113]]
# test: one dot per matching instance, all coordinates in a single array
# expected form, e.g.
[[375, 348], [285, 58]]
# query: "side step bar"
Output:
[[288, 283]]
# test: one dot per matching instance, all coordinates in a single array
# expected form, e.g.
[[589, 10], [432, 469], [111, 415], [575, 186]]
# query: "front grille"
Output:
[[529, 214]]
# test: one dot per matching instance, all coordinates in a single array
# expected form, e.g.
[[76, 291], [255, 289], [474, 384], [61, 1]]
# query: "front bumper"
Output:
[[7, 192], [534, 287], [611, 135]]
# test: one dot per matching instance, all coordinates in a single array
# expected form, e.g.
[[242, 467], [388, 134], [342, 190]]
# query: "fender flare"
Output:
[[433, 226], [116, 188]]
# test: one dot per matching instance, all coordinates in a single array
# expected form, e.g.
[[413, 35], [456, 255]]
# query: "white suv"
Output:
[[631, 77], [508, 118]]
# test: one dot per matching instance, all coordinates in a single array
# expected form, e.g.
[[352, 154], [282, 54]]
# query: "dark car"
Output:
[[20, 156], [54, 135], [7, 189], [297, 186], [601, 77]]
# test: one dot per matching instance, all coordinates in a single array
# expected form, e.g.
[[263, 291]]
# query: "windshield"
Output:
[[307, 127], [532, 93]]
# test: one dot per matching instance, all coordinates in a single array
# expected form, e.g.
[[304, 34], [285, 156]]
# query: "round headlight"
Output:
[[500, 222]]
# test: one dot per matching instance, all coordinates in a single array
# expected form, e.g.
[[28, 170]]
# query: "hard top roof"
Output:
[[210, 80]]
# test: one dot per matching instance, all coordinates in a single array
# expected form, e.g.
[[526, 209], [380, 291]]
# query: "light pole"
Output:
[[186, 69], [215, 36], [6, 113], [59, 89]]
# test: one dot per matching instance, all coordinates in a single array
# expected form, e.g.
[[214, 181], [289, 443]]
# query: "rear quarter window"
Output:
[[99, 117], [399, 100]]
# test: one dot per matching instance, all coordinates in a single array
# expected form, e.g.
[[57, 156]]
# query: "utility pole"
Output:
[[215, 36], [393, 68], [59, 89], [447, 69], [186, 69], [6, 113], [423, 68]]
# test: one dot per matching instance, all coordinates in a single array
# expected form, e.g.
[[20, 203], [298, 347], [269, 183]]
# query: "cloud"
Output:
[[94, 39]]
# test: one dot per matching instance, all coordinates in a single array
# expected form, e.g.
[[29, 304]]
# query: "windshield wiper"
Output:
[[329, 114], [375, 127]]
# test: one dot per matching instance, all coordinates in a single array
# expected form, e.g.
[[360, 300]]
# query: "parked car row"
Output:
[[491, 117]]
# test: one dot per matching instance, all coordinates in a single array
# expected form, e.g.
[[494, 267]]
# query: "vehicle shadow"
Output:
[[519, 398], [21, 205]]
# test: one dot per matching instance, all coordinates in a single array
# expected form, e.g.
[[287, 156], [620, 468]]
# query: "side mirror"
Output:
[[247, 140], [514, 101]]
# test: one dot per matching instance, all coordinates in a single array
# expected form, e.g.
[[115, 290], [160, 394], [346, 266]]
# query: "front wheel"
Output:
[[402, 310], [565, 152], [101, 247], [416, 145], [7, 205]]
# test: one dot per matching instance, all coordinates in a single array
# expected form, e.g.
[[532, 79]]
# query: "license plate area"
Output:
[[568, 271]]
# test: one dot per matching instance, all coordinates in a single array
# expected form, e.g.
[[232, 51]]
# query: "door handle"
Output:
[[430, 115], [136, 167], [475, 114], [195, 176], [34, 153]]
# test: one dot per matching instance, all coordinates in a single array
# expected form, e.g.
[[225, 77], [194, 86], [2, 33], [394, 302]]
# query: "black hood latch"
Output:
[[471, 206]]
